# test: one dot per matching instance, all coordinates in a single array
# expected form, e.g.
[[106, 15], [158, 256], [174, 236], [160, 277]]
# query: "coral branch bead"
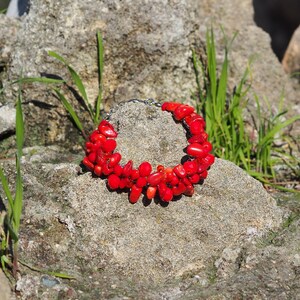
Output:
[[182, 111], [196, 150], [151, 191], [109, 146], [161, 182], [135, 194], [155, 178], [145, 169], [113, 181]]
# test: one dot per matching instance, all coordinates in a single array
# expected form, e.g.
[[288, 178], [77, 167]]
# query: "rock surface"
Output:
[[73, 224], [7, 119], [291, 59], [147, 54], [5, 290]]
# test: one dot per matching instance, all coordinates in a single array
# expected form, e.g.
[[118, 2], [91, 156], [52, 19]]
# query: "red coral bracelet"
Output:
[[165, 183]]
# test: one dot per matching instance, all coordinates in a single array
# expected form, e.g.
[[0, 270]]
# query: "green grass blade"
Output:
[[39, 80], [271, 134], [19, 125], [11, 230], [56, 274], [18, 203], [212, 68], [7, 191], [69, 109], [100, 75], [100, 56], [222, 87], [77, 81]]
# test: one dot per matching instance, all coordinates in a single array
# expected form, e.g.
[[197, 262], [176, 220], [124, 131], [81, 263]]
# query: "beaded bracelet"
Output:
[[166, 182]]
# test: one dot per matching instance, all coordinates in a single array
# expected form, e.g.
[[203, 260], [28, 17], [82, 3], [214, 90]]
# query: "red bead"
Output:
[[123, 183], [129, 183], [191, 167], [208, 160], [162, 187], [127, 169], [96, 146], [196, 127], [98, 170], [88, 147], [182, 111], [192, 117], [160, 168], [97, 137], [109, 146], [151, 191], [179, 189], [88, 164], [134, 174], [201, 167], [135, 194], [155, 178], [170, 106], [107, 129], [207, 146], [106, 170], [194, 178], [114, 159], [189, 191], [180, 171], [196, 150], [168, 195], [174, 180], [92, 157], [101, 159], [199, 138], [204, 174], [141, 182], [145, 169], [186, 182], [118, 170], [113, 181]]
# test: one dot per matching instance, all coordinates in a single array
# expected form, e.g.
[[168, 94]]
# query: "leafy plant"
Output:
[[224, 115], [94, 111], [11, 218]]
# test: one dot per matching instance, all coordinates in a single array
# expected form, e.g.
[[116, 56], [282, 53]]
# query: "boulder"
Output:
[[7, 120], [72, 223], [291, 59], [5, 290], [147, 54]]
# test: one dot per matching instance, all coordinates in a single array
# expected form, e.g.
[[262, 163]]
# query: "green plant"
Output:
[[11, 218], [224, 115], [94, 111]]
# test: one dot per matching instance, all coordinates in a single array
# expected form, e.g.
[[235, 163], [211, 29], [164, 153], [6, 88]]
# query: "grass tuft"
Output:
[[224, 115], [11, 219], [94, 111]]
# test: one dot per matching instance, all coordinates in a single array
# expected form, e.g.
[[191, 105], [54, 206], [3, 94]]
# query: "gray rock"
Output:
[[7, 119], [5, 290], [72, 223], [147, 54], [291, 59]]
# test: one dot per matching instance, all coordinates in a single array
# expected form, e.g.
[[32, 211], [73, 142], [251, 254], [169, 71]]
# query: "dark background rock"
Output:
[[147, 54], [291, 59], [280, 18]]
